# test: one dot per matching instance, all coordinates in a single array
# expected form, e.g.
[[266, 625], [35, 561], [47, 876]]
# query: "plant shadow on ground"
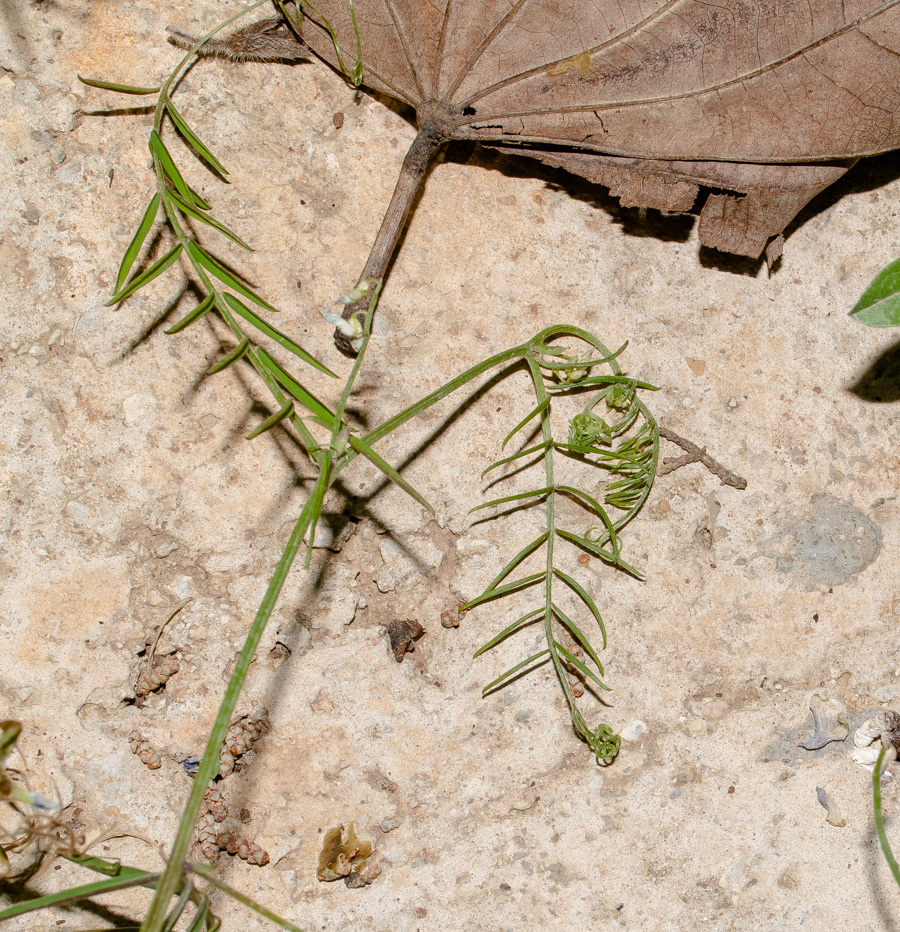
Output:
[[867, 175], [881, 381]]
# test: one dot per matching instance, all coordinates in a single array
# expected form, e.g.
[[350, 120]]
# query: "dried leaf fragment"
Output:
[[403, 635], [342, 856]]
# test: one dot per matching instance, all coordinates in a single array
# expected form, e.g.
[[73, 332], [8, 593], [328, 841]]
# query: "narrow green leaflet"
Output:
[[537, 493], [202, 308], [216, 269], [291, 385], [139, 281], [72, 895], [134, 247], [159, 150], [585, 670], [231, 358], [527, 619], [284, 411], [192, 138], [540, 448], [512, 671], [281, 339], [879, 305], [579, 590], [203, 217], [604, 555], [500, 591], [118, 88], [534, 412], [180, 904], [362, 447], [575, 631], [515, 561], [207, 874]]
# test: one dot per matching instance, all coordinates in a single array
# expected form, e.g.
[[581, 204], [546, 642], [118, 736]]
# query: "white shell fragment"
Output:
[[885, 725]]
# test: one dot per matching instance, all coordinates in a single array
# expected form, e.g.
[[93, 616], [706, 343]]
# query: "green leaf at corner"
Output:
[[879, 305]]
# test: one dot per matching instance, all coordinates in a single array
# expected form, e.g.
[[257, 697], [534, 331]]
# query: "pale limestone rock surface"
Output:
[[129, 487]]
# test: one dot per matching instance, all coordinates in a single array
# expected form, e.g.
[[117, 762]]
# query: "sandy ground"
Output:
[[129, 487]]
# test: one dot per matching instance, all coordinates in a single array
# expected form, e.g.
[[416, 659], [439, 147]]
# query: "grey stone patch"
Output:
[[827, 545]]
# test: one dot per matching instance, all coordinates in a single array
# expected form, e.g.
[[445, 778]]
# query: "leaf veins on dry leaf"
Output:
[[765, 102]]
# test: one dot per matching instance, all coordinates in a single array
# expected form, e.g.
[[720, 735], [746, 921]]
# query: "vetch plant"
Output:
[[612, 432]]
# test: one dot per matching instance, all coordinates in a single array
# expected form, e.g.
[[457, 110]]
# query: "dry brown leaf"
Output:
[[765, 101]]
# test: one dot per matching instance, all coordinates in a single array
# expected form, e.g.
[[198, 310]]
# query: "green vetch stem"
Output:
[[172, 876], [432, 135]]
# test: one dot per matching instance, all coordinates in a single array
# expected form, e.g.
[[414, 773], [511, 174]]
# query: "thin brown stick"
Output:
[[695, 454], [412, 176]]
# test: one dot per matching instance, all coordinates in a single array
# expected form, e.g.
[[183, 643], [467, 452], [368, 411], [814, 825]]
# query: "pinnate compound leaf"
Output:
[[879, 305], [145, 277], [653, 100]]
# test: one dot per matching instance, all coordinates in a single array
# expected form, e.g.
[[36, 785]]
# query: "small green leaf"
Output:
[[134, 247], [72, 895], [879, 305], [281, 339], [604, 555], [202, 308], [512, 671], [193, 139], [291, 385], [513, 498], [517, 559], [215, 268], [199, 214], [523, 622], [531, 414], [159, 150], [232, 357], [585, 670], [500, 591], [286, 410], [144, 278], [541, 447], [579, 590], [577, 634], [119, 88], [362, 447], [599, 510]]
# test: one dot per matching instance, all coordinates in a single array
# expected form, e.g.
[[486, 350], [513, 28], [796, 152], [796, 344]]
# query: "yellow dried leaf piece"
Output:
[[580, 63], [339, 857]]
